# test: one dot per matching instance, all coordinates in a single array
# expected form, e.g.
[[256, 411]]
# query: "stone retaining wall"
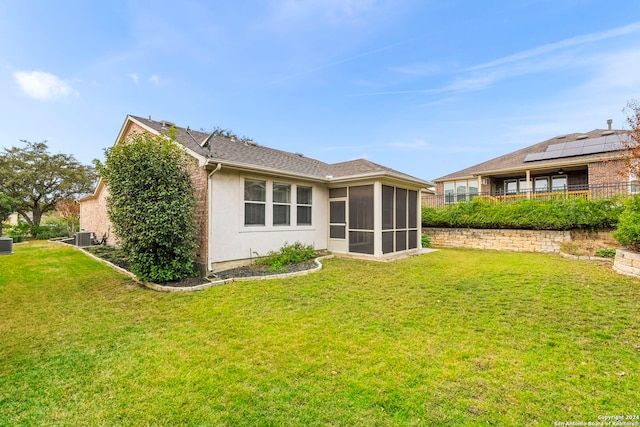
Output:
[[627, 262], [548, 241]]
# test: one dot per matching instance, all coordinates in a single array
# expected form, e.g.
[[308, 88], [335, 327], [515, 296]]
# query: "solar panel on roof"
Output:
[[578, 148]]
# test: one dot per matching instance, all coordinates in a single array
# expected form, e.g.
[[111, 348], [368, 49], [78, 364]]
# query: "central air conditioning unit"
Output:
[[6, 245], [83, 238]]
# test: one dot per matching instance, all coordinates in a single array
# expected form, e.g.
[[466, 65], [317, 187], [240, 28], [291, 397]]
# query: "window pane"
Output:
[[361, 242], [413, 239], [334, 193], [387, 207], [401, 208], [281, 193], [401, 240], [337, 212], [413, 209], [255, 191], [448, 192], [559, 183], [511, 186], [254, 213], [542, 184], [304, 215], [303, 195], [361, 207], [461, 190], [473, 186], [387, 242], [337, 231], [281, 215]]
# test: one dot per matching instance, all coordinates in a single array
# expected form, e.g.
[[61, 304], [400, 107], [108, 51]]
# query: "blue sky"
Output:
[[425, 87]]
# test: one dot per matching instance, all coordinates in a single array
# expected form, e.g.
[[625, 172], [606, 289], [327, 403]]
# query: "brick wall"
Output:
[[199, 178], [93, 210], [93, 216], [548, 241], [606, 172]]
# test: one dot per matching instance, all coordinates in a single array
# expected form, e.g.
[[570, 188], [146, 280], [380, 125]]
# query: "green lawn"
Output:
[[455, 337]]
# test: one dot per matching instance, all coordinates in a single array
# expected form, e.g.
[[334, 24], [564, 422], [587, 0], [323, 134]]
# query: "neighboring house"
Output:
[[252, 199], [586, 164]]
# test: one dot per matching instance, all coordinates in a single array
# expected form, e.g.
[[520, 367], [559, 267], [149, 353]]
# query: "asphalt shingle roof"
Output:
[[221, 149], [516, 159]]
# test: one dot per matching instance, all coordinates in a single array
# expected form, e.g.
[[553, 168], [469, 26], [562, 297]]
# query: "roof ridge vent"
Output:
[[299, 154], [561, 137], [582, 136], [607, 132], [167, 123]]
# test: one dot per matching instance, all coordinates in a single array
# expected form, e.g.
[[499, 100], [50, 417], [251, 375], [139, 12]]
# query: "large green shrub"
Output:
[[151, 205], [628, 231], [533, 214]]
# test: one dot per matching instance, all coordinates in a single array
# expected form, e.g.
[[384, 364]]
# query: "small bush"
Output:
[[628, 232], [426, 241], [288, 254], [606, 253], [46, 232]]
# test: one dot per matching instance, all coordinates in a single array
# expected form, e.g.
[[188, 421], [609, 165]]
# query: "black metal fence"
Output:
[[586, 191]]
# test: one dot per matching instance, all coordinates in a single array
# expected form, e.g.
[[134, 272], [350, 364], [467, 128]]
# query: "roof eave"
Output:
[[246, 167], [379, 175]]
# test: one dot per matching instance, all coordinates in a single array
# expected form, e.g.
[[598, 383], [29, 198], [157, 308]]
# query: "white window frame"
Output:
[[281, 203], [308, 206], [262, 202]]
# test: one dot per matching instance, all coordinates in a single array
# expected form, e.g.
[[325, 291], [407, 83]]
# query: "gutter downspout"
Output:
[[210, 215]]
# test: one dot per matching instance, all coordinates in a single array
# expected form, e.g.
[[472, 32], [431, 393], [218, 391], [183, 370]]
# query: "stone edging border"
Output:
[[212, 283], [585, 258]]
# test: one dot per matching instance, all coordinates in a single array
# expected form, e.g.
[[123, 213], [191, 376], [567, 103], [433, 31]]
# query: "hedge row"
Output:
[[531, 214]]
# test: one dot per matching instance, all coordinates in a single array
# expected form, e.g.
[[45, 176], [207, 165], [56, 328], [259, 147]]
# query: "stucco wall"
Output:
[[547, 241], [231, 240]]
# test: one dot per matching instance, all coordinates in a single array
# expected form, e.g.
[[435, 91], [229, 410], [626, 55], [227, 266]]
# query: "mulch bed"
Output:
[[116, 257]]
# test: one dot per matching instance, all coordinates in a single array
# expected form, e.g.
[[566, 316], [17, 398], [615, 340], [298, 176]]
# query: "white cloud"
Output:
[[134, 77], [155, 79], [43, 86]]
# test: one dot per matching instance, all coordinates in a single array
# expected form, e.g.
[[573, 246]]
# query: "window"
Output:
[[401, 208], [255, 197], [303, 199], [361, 218], [461, 190], [337, 219], [281, 204], [277, 208], [448, 192], [399, 219], [634, 184], [510, 186], [387, 207], [523, 186], [473, 188], [559, 183], [542, 184]]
